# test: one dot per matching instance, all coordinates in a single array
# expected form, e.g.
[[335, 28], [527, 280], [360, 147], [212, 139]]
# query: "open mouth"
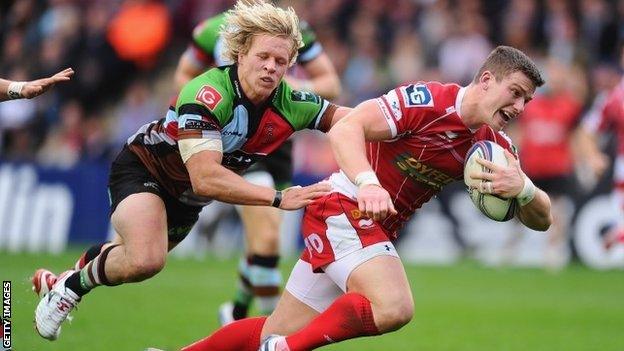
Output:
[[506, 115]]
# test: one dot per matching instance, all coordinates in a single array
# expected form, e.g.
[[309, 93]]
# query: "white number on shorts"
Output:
[[313, 241]]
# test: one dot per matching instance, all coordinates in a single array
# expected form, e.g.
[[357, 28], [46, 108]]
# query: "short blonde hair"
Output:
[[248, 19]]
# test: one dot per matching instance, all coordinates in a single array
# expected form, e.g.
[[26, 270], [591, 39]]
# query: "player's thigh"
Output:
[[138, 211], [140, 220], [306, 295], [383, 281]]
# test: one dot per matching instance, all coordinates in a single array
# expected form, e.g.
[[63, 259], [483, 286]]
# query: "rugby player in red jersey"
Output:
[[350, 281], [607, 114]]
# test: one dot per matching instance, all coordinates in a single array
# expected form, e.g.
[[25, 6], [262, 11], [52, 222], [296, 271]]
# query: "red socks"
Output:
[[242, 335], [350, 316]]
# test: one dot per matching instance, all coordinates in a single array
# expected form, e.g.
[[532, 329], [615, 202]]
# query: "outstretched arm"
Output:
[[28, 90], [209, 178]]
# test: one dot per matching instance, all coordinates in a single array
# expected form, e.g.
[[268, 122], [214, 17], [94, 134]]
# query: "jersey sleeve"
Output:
[[406, 107], [597, 119], [304, 110], [203, 106], [311, 48], [205, 36]]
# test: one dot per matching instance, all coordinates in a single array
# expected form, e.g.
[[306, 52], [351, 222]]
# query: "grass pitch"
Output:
[[461, 307]]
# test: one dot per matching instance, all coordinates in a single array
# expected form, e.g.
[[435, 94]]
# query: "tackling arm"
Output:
[[209, 178]]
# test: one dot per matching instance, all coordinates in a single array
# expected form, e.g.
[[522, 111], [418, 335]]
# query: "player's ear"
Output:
[[485, 79]]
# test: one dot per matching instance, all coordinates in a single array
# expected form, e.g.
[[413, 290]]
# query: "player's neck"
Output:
[[470, 107]]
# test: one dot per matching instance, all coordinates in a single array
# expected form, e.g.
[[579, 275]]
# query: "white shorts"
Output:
[[319, 290]]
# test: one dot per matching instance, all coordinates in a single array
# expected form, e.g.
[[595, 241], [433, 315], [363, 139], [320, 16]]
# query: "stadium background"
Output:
[[477, 284]]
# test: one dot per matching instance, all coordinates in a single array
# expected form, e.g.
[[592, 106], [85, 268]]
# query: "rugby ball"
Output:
[[493, 206]]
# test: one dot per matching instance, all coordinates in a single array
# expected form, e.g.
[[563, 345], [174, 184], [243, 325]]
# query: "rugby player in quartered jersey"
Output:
[[213, 105], [259, 278], [222, 122]]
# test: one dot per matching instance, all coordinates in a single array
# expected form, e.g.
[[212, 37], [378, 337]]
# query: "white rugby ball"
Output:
[[493, 206]]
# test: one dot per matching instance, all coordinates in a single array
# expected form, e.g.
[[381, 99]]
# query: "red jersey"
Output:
[[608, 114], [427, 152], [547, 124]]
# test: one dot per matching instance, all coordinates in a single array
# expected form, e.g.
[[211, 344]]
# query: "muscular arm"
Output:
[[349, 133], [323, 79], [210, 178], [536, 214], [347, 137]]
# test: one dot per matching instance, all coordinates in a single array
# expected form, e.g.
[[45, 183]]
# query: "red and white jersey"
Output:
[[427, 152], [607, 113]]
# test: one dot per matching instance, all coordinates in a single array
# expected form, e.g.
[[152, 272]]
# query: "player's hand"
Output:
[[40, 86], [375, 202], [505, 181], [296, 197]]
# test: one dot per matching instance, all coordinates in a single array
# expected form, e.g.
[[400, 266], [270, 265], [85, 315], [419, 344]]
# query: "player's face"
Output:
[[505, 100], [261, 69]]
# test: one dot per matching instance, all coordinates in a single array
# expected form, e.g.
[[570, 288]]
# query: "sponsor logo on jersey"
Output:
[[208, 96], [421, 172], [416, 96], [200, 125], [356, 214], [366, 223], [304, 96]]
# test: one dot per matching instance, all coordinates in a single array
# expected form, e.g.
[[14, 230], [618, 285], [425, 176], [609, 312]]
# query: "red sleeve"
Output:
[[406, 107]]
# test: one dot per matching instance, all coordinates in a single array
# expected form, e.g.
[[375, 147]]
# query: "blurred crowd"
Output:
[[124, 53]]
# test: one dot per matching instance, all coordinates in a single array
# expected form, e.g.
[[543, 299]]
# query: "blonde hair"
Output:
[[248, 19]]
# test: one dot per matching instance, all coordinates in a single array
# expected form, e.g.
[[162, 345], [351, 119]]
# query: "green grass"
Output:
[[463, 307]]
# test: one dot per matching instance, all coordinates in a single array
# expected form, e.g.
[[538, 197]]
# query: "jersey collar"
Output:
[[240, 94]]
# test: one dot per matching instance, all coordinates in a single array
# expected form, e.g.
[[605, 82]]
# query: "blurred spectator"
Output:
[[544, 139], [64, 144], [470, 42], [137, 108], [607, 116]]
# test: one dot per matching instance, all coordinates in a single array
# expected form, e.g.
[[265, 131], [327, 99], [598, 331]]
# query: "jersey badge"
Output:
[[208, 96], [304, 96], [417, 96]]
